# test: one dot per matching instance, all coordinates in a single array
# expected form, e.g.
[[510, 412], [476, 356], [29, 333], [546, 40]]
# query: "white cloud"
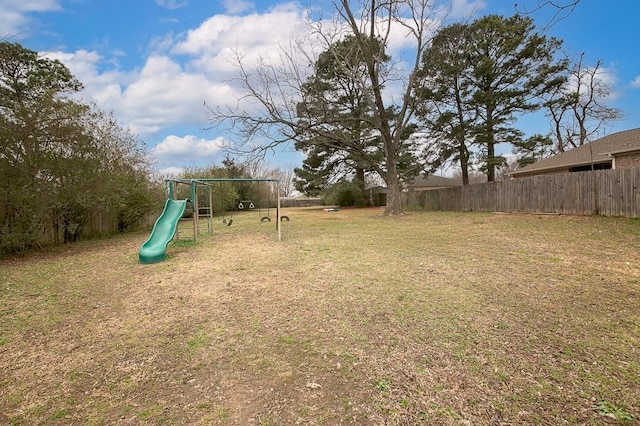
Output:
[[235, 7], [159, 95], [187, 148], [166, 93], [636, 83], [245, 33], [83, 64], [15, 18], [169, 172], [172, 4], [163, 94], [30, 5], [603, 80], [213, 46], [162, 43], [168, 90], [103, 87], [463, 9]]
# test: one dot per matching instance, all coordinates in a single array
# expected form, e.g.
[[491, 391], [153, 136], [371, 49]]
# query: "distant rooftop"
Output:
[[599, 151], [433, 181]]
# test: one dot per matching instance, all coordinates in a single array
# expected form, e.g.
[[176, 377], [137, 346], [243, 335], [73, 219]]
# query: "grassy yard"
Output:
[[353, 318]]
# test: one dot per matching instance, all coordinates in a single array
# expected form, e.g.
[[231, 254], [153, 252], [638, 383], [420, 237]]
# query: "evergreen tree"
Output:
[[333, 99], [511, 67], [497, 68]]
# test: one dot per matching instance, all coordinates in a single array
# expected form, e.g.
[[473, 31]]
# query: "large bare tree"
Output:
[[266, 114], [578, 111]]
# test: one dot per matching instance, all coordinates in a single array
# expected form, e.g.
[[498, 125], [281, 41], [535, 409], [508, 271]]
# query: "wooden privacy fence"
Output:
[[300, 201], [98, 223], [603, 192]]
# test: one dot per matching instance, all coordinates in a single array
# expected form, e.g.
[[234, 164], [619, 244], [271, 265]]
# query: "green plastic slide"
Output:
[[154, 249]]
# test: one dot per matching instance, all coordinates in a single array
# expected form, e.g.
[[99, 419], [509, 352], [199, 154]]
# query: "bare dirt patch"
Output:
[[433, 318]]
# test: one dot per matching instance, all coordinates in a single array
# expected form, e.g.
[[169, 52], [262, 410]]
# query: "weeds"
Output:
[[610, 410], [383, 385], [444, 318]]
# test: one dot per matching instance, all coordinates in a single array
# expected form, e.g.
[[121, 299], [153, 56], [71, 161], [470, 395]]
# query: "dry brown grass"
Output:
[[432, 318]]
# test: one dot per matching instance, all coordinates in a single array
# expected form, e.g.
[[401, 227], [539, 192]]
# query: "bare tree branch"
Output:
[[578, 112], [267, 115], [562, 9]]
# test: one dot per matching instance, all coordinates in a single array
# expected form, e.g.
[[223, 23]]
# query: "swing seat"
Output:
[[265, 219], [250, 204], [227, 223], [284, 218]]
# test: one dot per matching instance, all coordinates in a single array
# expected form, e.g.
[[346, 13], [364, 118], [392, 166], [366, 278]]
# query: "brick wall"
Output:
[[626, 161]]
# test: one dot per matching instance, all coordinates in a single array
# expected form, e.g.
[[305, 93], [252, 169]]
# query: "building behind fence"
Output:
[[614, 192], [300, 201]]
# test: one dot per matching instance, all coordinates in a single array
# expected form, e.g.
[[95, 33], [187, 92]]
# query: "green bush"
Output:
[[345, 194]]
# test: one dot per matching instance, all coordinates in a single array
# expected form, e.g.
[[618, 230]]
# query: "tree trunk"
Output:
[[464, 166], [491, 162], [461, 136], [360, 178], [394, 202], [491, 149], [464, 161]]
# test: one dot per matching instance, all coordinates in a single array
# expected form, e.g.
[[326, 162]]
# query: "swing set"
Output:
[[251, 206], [207, 210]]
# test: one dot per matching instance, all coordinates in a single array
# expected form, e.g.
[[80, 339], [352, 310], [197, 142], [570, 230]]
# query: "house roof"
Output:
[[429, 181], [596, 152], [432, 181]]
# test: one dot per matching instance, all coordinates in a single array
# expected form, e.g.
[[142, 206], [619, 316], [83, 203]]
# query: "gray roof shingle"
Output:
[[595, 152], [433, 181]]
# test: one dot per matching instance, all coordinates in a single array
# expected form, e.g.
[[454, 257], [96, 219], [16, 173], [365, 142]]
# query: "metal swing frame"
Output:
[[266, 218], [202, 182]]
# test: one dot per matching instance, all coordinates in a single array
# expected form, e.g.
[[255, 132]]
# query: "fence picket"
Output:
[[604, 192]]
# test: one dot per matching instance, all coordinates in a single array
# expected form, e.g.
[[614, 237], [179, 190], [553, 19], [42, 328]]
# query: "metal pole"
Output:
[[170, 185], [210, 228], [278, 225], [196, 209]]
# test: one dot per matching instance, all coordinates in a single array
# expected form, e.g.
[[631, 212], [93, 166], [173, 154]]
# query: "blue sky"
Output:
[[153, 62]]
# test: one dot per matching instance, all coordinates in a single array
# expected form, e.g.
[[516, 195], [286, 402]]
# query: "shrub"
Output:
[[345, 194]]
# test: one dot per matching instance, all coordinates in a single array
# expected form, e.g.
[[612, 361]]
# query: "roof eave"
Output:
[[623, 151], [557, 168]]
